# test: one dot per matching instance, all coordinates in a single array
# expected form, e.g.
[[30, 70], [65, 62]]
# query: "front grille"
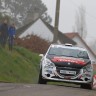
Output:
[[67, 69]]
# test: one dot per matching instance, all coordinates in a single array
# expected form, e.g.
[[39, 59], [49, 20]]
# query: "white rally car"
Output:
[[66, 63]]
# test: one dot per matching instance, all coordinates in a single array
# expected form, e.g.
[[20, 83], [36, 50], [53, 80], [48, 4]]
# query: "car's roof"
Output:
[[69, 47]]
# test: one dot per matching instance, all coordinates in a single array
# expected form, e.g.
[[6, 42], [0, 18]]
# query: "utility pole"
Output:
[[56, 21]]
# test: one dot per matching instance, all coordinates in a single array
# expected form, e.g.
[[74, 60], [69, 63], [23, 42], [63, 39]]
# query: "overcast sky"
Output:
[[68, 12]]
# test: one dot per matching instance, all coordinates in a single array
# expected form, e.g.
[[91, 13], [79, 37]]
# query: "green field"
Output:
[[20, 66]]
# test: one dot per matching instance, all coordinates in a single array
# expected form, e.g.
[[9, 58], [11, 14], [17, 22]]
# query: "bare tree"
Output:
[[80, 24]]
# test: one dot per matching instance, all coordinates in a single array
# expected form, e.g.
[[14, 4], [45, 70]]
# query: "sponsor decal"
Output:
[[69, 60]]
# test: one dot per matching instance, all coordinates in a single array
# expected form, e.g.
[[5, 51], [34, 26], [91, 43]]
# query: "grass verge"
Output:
[[19, 66]]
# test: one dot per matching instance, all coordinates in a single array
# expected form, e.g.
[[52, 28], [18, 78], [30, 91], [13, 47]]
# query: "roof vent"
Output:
[[67, 44]]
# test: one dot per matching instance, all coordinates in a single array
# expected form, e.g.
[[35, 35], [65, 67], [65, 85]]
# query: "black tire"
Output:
[[87, 86], [41, 80]]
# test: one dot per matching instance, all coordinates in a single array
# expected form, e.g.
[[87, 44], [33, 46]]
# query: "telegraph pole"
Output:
[[56, 21]]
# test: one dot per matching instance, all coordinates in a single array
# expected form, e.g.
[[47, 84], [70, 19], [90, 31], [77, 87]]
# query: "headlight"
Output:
[[88, 68], [48, 64]]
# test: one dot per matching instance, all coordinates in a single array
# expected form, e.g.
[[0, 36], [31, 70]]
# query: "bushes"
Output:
[[33, 43]]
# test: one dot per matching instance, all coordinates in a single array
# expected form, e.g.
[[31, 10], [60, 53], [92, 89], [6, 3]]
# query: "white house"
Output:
[[81, 43], [39, 29], [43, 30]]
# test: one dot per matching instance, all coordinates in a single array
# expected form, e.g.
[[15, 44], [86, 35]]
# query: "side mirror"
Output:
[[41, 55]]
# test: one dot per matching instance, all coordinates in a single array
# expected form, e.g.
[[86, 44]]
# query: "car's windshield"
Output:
[[59, 51]]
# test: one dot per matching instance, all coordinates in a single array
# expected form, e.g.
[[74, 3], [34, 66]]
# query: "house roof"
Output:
[[72, 35], [23, 28], [63, 38]]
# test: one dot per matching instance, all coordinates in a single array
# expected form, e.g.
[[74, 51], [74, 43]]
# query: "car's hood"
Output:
[[69, 61]]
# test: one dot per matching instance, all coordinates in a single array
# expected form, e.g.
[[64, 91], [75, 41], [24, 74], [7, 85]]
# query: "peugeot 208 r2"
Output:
[[66, 64]]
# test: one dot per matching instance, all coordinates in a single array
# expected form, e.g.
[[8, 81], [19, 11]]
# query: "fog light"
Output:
[[86, 79], [48, 75]]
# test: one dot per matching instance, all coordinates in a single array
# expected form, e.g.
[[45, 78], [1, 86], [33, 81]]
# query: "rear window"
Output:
[[59, 51]]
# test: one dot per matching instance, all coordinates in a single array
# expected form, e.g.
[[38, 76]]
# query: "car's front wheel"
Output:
[[41, 80], [87, 86]]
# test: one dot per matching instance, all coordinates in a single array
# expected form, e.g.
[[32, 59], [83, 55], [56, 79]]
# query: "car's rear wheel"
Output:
[[41, 80]]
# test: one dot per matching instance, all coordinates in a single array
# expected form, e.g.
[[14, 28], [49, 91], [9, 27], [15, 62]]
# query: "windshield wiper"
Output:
[[51, 54], [64, 55], [73, 56]]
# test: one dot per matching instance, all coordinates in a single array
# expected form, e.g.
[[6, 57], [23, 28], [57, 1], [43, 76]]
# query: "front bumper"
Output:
[[80, 78], [66, 80]]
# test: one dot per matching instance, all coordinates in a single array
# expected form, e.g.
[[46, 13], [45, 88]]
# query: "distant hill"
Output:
[[20, 65]]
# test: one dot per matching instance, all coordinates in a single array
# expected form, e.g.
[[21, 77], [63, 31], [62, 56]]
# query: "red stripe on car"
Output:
[[71, 60]]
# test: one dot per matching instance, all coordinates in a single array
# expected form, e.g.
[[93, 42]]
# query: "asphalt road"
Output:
[[7, 89]]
